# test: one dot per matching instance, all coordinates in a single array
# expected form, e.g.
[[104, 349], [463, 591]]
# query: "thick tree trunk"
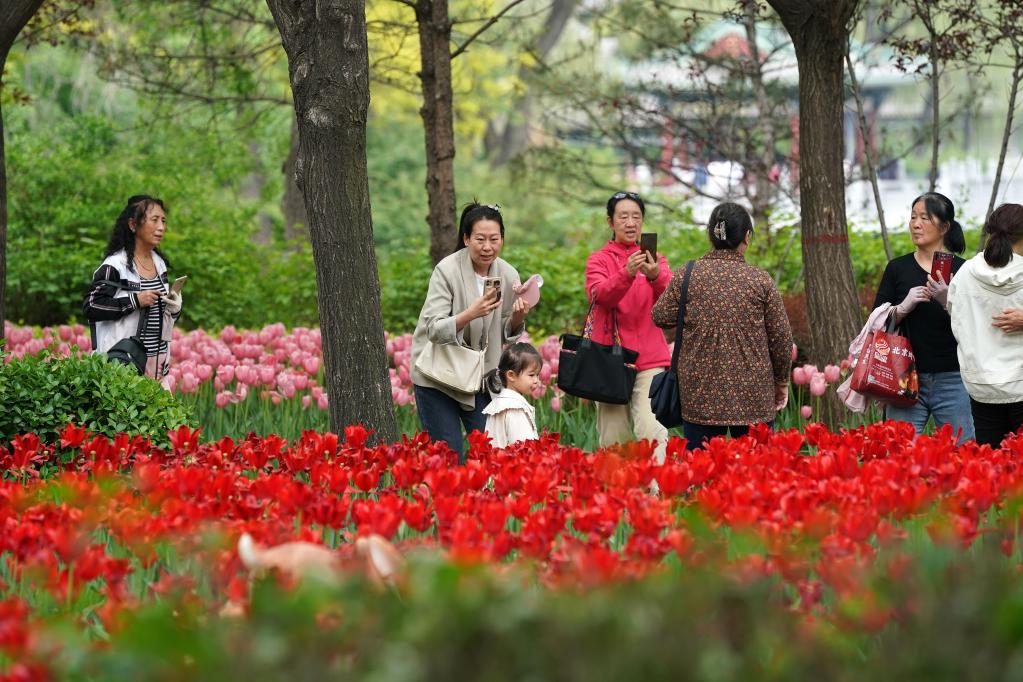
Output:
[[292, 204], [820, 30], [14, 14], [515, 137], [438, 123], [328, 62]]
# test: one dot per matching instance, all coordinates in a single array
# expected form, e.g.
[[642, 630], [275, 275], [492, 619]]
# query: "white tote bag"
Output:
[[453, 365]]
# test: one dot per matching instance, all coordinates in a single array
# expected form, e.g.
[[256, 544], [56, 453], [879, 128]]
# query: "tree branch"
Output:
[[490, 22]]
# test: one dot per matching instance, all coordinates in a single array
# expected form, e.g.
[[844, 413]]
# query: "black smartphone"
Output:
[[648, 243], [492, 283]]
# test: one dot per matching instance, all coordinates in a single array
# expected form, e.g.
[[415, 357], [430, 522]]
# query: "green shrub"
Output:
[[43, 394]]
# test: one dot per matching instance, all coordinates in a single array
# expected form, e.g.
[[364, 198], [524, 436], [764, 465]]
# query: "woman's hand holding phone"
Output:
[[635, 262]]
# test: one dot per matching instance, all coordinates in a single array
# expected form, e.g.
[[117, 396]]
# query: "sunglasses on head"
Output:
[[618, 196]]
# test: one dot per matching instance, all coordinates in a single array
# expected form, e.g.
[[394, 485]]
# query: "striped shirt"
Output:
[[151, 336]]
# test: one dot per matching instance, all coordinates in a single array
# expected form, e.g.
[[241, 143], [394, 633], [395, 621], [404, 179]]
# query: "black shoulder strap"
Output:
[[683, 300]]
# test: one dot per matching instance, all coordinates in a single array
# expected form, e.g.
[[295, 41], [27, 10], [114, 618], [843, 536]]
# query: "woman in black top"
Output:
[[919, 304]]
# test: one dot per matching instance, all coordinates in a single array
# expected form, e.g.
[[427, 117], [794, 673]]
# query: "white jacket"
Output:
[[510, 418], [112, 322], [990, 360]]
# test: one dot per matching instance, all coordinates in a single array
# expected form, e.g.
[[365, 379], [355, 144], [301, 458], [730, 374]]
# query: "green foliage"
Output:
[[956, 616], [42, 394]]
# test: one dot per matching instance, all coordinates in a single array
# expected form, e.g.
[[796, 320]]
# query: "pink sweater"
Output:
[[631, 298]]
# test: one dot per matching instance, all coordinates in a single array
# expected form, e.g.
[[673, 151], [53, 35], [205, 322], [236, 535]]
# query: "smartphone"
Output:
[[648, 243], [942, 263], [492, 283], [178, 283]]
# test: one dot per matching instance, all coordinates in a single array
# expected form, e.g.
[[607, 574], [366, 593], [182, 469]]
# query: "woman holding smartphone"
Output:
[[622, 283], [470, 302], [917, 290], [129, 289]]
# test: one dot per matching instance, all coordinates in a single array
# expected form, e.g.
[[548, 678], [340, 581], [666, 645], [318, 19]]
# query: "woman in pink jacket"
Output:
[[623, 283]]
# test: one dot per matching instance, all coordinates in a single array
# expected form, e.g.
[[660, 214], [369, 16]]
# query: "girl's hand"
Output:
[[172, 302]]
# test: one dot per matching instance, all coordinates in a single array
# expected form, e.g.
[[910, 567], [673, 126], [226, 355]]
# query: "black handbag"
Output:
[[596, 371], [129, 351], [665, 401]]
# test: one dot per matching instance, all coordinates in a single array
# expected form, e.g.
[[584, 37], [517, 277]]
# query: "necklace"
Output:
[[145, 269]]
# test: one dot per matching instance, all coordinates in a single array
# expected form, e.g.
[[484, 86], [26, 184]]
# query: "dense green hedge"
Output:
[[42, 394], [952, 616]]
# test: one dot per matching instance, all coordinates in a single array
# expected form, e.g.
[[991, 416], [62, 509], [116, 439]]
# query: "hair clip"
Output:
[[493, 207], [719, 231]]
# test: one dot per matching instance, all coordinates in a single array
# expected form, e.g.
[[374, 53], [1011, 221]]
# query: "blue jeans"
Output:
[[697, 435], [942, 396], [442, 417]]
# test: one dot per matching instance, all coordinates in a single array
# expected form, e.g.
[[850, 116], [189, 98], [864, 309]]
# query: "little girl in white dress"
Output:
[[510, 417]]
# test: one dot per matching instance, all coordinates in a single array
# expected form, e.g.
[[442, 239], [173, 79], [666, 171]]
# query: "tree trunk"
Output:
[[438, 123], [763, 197], [868, 155], [515, 138], [14, 14], [1017, 75], [292, 204], [820, 33], [328, 64], [935, 117]]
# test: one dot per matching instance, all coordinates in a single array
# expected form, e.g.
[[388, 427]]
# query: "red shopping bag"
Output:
[[886, 368]]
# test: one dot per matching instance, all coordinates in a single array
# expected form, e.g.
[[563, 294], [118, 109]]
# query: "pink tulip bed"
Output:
[[270, 381]]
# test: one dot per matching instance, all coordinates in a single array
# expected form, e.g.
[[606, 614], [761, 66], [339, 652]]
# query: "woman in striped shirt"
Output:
[[129, 294]]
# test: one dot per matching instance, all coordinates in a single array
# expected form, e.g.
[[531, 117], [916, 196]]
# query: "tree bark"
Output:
[[328, 64], [14, 14], [820, 33], [515, 137], [1017, 76], [868, 155], [438, 123], [763, 194], [292, 204]]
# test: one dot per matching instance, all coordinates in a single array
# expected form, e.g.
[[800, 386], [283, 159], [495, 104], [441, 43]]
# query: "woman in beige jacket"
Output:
[[460, 308]]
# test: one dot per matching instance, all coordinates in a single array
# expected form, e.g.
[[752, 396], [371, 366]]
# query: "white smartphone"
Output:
[[178, 283], [492, 283]]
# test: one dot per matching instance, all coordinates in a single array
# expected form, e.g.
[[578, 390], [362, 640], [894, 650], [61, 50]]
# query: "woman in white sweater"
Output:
[[990, 358], [470, 303]]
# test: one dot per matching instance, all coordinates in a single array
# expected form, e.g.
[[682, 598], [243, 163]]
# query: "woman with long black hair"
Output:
[[132, 282]]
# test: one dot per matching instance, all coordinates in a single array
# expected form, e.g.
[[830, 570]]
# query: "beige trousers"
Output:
[[613, 421]]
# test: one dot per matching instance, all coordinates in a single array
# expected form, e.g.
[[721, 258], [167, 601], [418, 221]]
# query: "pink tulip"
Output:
[[799, 377], [306, 401], [545, 375], [226, 373], [322, 402], [832, 373], [818, 386], [222, 399], [805, 411], [556, 404], [311, 364], [267, 375], [404, 398]]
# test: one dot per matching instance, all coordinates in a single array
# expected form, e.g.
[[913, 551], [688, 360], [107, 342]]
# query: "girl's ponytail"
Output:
[[492, 381]]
